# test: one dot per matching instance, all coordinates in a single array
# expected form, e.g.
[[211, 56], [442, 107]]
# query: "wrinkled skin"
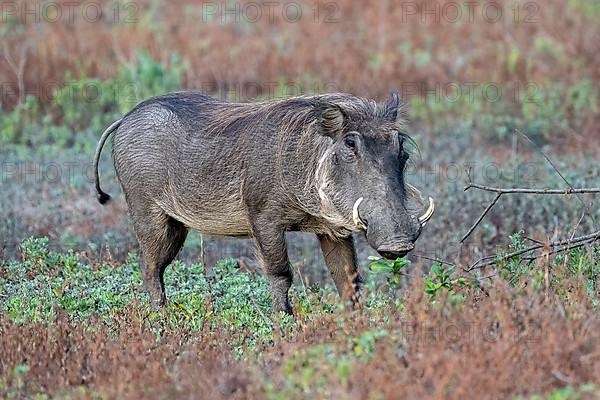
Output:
[[188, 161]]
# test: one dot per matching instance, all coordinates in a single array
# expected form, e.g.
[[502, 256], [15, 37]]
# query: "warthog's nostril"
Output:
[[395, 251]]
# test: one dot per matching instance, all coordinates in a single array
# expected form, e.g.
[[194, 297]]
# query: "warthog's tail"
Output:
[[103, 197]]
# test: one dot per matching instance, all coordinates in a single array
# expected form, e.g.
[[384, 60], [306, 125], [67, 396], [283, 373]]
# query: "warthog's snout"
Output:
[[395, 249], [393, 234]]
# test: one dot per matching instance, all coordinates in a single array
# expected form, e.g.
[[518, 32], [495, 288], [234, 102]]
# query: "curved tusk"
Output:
[[356, 216], [428, 214]]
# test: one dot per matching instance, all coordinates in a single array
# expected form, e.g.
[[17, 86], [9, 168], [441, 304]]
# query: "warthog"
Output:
[[331, 164]]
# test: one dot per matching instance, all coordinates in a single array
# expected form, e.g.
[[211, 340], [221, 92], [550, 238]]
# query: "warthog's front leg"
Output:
[[272, 253], [340, 258]]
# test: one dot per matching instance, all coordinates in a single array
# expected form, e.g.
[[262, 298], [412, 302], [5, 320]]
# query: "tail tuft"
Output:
[[103, 198]]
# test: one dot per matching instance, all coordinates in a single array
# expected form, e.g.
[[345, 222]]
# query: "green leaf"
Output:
[[400, 263], [380, 266], [436, 268]]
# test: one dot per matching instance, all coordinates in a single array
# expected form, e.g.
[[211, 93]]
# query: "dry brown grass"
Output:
[[510, 343], [361, 52], [127, 363]]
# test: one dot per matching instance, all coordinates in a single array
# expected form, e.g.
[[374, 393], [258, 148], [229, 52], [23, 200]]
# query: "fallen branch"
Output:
[[500, 191], [531, 191], [548, 248], [551, 164], [552, 248], [434, 259], [483, 214]]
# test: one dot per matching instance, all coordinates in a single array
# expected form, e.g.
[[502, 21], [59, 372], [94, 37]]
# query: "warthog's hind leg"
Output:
[[160, 238], [272, 253], [340, 258]]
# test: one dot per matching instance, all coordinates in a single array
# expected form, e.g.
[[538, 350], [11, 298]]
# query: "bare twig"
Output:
[[577, 225], [549, 248], [546, 157], [585, 207], [556, 251], [531, 191], [434, 259], [534, 240], [554, 247], [570, 190], [490, 276], [483, 214], [500, 191]]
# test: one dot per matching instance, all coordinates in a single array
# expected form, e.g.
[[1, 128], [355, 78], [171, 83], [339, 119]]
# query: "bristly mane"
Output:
[[295, 114]]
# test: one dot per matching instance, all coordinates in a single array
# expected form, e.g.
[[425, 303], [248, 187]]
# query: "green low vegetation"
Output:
[[45, 286], [46, 282]]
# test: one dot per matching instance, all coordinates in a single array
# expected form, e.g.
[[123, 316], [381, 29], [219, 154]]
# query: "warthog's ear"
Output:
[[330, 119], [391, 109]]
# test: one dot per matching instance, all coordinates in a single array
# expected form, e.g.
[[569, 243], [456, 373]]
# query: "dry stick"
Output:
[[492, 259], [531, 191], [501, 191], [550, 162], [434, 259], [585, 207], [556, 247], [568, 244], [535, 240], [572, 235], [577, 225], [483, 214], [562, 249]]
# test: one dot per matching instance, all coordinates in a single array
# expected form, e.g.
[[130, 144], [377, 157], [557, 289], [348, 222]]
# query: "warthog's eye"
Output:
[[350, 142], [349, 147]]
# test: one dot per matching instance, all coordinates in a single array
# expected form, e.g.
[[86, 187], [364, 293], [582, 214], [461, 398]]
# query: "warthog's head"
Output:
[[360, 176]]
